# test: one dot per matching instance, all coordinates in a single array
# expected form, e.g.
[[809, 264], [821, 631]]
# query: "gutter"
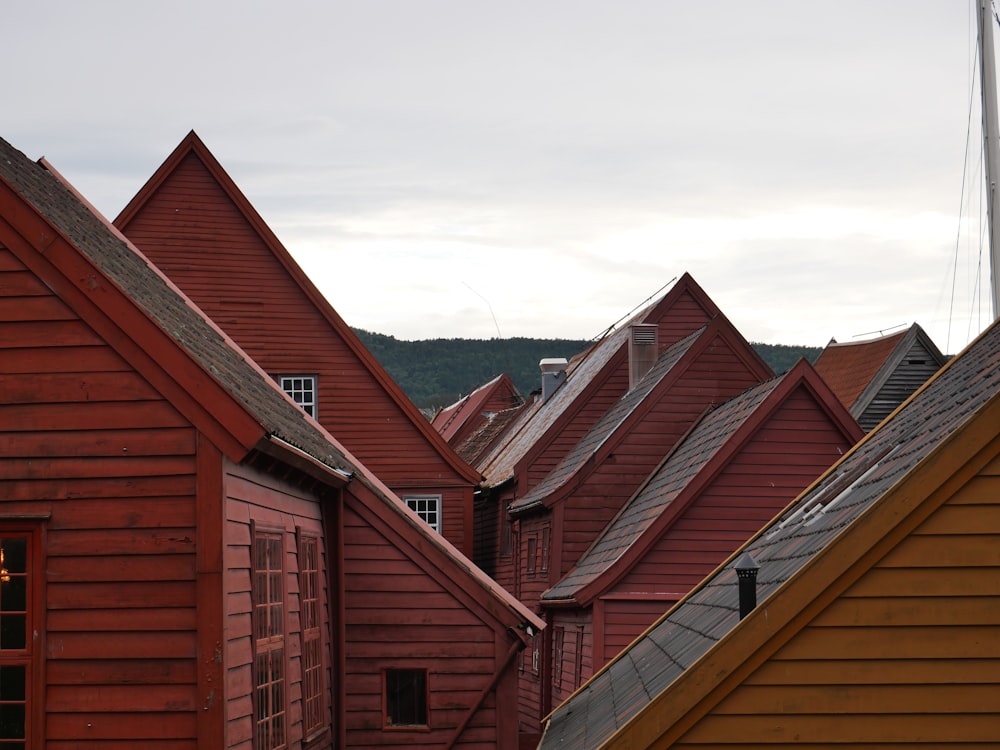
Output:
[[273, 446]]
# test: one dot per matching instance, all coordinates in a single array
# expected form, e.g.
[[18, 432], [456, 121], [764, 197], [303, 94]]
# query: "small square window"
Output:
[[406, 698], [302, 389], [428, 507]]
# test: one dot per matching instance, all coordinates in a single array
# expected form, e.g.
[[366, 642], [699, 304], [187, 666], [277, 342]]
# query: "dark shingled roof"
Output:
[[680, 467], [128, 269], [606, 426], [828, 510]]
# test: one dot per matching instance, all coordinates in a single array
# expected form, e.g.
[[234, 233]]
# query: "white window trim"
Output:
[[416, 503], [289, 386]]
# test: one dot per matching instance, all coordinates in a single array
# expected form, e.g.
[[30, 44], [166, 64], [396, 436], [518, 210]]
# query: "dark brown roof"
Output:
[[821, 515]]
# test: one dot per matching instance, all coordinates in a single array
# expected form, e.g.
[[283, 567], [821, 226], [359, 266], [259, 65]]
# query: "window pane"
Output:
[[15, 555], [12, 632], [14, 594], [12, 721], [12, 683], [406, 697]]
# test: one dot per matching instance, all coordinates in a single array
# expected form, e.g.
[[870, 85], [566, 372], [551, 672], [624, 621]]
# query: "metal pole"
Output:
[[991, 140]]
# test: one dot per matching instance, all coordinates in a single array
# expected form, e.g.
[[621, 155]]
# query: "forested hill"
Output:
[[438, 372]]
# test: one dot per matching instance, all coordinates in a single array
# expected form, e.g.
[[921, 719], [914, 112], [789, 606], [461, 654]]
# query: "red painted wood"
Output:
[[195, 224]]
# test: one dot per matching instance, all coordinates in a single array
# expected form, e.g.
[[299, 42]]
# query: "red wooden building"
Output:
[[873, 376], [576, 456], [736, 467], [865, 615], [469, 414], [187, 560], [196, 225]]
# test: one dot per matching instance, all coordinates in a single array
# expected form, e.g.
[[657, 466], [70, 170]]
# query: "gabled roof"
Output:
[[458, 420], [689, 660], [684, 473], [116, 290], [610, 426], [682, 310], [192, 145], [489, 433], [857, 370]]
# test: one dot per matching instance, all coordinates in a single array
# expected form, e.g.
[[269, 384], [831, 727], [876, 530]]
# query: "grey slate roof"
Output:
[[133, 274], [606, 425], [535, 421], [648, 504], [828, 510]]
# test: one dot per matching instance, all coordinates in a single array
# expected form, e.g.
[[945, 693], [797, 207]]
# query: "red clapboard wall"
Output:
[[196, 225]]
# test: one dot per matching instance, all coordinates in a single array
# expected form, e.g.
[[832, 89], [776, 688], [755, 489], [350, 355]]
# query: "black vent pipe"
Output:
[[746, 572]]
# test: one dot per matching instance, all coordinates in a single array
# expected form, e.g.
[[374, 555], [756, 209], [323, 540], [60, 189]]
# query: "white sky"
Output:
[[556, 161]]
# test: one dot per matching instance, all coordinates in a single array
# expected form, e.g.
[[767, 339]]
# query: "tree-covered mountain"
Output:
[[438, 372]]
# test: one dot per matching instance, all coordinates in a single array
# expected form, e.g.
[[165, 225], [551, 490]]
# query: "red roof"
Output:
[[848, 368]]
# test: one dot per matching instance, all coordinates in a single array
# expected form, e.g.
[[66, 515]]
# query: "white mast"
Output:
[[991, 141]]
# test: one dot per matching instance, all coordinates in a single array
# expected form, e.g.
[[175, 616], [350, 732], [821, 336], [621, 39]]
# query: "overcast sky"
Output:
[[457, 168]]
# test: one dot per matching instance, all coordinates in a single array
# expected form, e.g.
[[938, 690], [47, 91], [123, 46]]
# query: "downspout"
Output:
[[334, 533], [513, 651]]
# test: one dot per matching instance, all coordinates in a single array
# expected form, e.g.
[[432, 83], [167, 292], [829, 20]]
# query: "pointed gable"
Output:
[[195, 224], [459, 420], [595, 380], [909, 498], [794, 418], [873, 377]]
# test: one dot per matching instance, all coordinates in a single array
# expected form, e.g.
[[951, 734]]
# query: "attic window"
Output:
[[428, 507], [301, 389]]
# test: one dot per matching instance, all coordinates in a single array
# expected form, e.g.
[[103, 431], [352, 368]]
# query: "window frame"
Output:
[[414, 502], [315, 712], [310, 407], [29, 656], [266, 641], [386, 718]]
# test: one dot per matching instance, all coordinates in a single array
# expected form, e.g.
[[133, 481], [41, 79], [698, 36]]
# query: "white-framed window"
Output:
[[428, 507], [302, 389]]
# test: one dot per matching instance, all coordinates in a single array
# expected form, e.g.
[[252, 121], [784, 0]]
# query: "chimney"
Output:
[[553, 375], [643, 347], [746, 572]]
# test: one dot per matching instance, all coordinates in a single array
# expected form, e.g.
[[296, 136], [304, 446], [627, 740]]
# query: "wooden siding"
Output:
[[715, 376], [252, 498], [400, 616], [789, 451], [913, 371], [576, 423], [908, 655], [86, 441], [193, 231]]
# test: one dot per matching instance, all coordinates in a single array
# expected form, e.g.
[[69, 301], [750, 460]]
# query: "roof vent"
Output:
[[643, 346], [746, 572], [553, 375]]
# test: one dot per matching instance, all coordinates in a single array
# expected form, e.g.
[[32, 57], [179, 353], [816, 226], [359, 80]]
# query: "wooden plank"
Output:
[[119, 568], [972, 642], [916, 610], [128, 594], [850, 671], [143, 646], [972, 551], [120, 619], [898, 581], [81, 416], [907, 730], [155, 541], [108, 725], [97, 442], [119, 672], [857, 700], [123, 698], [13, 469]]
